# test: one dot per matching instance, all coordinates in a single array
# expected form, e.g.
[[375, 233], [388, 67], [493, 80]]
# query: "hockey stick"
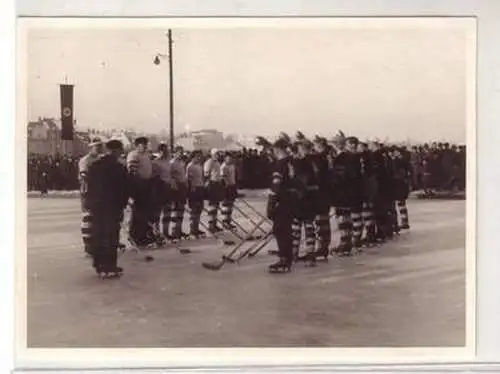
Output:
[[226, 258], [262, 244], [255, 248]]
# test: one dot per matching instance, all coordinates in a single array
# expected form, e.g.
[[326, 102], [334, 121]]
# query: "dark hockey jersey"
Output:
[[282, 190], [306, 172], [347, 169], [108, 186], [346, 179], [322, 170]]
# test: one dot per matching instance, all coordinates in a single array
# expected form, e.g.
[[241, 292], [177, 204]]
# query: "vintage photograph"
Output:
[[263, 184]]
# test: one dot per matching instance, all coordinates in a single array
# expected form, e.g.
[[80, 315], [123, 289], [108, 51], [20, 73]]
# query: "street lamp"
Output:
[[157, 61]]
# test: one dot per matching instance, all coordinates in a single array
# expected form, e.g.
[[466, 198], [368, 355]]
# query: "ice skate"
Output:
[[180, 236], [369, 241], [229, 226], [160, 241], [281, 266], [310, 259], [405, 226], [344, 251], [322, 254], [334, 250], [213, 230], [197, 234], [168, 237], [114, 272]]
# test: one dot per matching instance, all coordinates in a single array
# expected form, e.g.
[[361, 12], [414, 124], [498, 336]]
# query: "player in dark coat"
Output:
[[107, 197], [383, 197], [306, 176], [369, 191], [347, 196], [280, 206], [355, 185], [402, 175], [395, 190], [323, 228]]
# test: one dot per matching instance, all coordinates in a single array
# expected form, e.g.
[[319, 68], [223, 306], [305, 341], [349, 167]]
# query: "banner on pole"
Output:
[[66, 111]]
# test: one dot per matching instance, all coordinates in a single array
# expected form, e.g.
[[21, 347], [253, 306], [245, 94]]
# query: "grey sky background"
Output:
[[397, 83]]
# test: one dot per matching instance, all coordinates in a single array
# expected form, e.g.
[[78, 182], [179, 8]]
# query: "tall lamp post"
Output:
[[157, 61]]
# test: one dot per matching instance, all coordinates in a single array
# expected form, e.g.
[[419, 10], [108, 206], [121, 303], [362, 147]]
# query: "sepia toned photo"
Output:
[[255, 183]]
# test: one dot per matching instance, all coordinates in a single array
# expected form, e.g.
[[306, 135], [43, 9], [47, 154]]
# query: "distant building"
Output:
[[206, 140], [44, 137]]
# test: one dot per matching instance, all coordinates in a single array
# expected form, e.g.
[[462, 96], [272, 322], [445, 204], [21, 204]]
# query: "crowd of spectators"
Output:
[[437, 166], [59, 172]]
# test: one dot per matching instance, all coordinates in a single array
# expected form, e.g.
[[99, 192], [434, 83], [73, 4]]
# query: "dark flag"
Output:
[[66, 111]]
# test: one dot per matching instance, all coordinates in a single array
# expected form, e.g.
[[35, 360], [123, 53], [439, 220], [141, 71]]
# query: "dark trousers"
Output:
[[142, 214], [383, 218], [282, 230], [215, 196], [105, 238], [179, 204], [227, 205], [195, 203]]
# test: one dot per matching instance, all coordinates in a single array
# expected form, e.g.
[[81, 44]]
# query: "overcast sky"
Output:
[[401, 83]]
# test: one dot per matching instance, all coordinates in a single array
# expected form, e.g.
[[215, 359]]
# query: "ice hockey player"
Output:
[[140, 169], [369, 193], [163, 210], [107, 197], [306, 173], [85, 162], [393, 215], [280, 206], [213, 183], [347, 195], [355, 190], [322, 222], [228, 174], [383, 197], [179, 194], [402, 175], [196, 193]]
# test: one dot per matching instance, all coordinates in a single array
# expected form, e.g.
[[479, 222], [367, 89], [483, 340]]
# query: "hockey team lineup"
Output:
[[359, 188]]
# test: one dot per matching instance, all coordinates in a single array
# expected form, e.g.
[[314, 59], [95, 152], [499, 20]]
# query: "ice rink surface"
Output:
[[409, 292]]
